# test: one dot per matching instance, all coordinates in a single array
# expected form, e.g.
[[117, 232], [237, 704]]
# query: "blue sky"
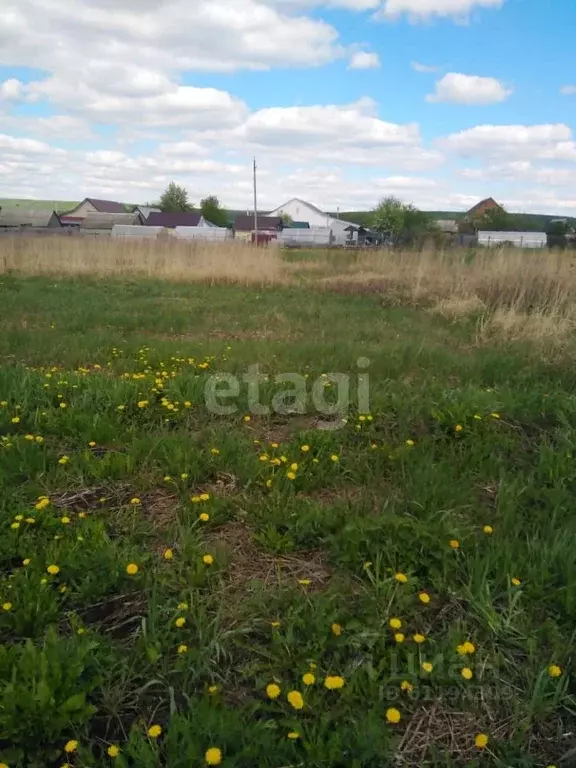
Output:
[[440, 102]]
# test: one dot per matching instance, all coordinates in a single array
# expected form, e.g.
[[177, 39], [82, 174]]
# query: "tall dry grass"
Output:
[[164, 259], [513, 293]]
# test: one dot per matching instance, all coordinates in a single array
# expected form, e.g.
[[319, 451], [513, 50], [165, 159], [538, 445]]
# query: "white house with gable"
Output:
[[300, 210]]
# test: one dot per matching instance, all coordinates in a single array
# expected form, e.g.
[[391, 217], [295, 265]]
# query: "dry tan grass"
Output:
[[168, 259], [521, 294]]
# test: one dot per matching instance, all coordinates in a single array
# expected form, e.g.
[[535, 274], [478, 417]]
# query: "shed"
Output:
[[23, 218], [448, 226], [106, 221], [136, 231], [517, 239], [178, 219], [482, 207]]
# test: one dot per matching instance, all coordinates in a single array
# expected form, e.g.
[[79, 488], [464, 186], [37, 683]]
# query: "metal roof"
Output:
[[22, 217], [146, 210], [173, 220], [108, 220], [246, 223]]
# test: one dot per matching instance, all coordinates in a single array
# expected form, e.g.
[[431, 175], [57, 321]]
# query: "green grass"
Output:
[[303, 577]]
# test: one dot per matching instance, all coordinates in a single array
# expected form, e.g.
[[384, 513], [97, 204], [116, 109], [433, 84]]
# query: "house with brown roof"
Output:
[[90, 205], [481, 208], [269, 227], [177, 219]]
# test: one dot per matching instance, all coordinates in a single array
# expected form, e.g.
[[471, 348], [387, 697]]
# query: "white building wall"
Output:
[[298, 210]]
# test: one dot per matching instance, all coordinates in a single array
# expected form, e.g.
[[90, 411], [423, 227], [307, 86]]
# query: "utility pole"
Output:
[[255, 205]]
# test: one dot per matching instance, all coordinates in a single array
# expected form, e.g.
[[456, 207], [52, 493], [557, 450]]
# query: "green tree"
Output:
[[402, 223], [388, 217], [212, 212], [287, 220], [175, 199]]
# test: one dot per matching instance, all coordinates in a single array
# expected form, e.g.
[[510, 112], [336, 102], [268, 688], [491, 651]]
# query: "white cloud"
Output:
[[513, 142], [421, 10], [364, 60], [568, 90], [522, 172], [469, 89], [424, 68]]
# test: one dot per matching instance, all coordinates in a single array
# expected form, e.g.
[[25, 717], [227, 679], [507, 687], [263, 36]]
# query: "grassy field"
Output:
[[60, 206], [394, 585]]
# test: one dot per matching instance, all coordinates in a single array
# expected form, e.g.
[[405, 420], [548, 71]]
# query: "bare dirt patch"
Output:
[[247, 564]]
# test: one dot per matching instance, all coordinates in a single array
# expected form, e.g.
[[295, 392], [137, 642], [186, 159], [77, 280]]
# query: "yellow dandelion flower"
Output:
[[204, 517], [481, 741], [458, 428], [26, 562], [39, 439], [19, 518], [275, 624], [406, 686], [516, 582], [53, 570], [15, 420], [182, 606], [208, 560], [334, 682], [182, 649], [180, 622], [204, 497], [466, 648], [214, 451], [42, 504], [15, 526], [393, 715], [184, 476], [291, 475], [395, 623], [335, 458], [113, 751], [213, 689], [247, 418], [305, 448], [308, 679], [336, 629], [401, 577], [409, 443], [213, 756], [6, 606], [295, 700], [418, 638], [293, 735], [488, 529], [554, 670], [427, 667], [29, 437], [92, 444], [65, 520], [63, 460], [168, 554], [143, 404], [467, 673], [71, 746], [273, 691], [454, 543], [495, 415], [154, 731], [135, 501], [132, 569], [399, 637], [304, 582]]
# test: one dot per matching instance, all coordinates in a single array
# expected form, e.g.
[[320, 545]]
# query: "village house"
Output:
[[74, 217], [22, 219]]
